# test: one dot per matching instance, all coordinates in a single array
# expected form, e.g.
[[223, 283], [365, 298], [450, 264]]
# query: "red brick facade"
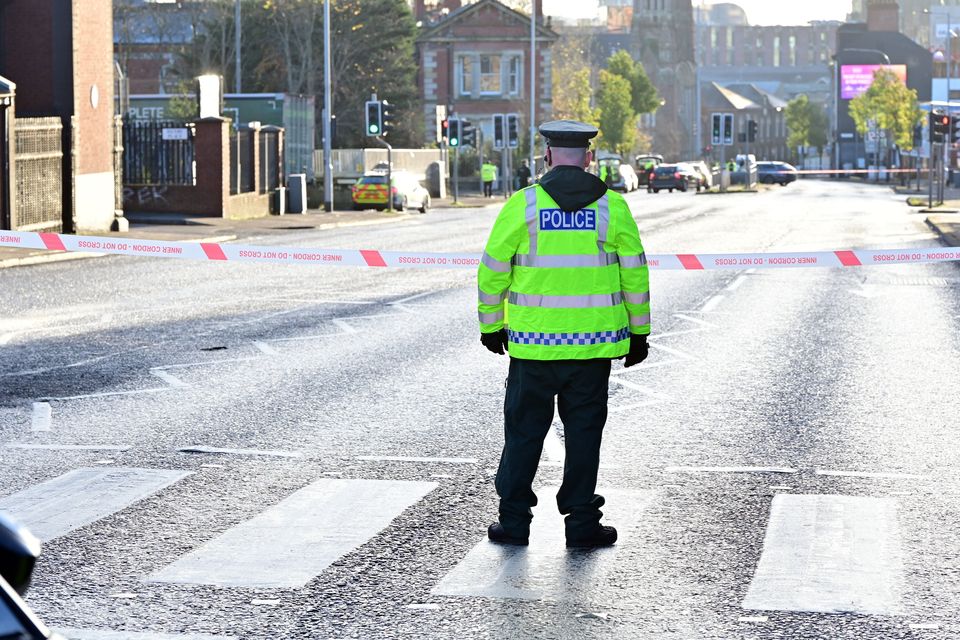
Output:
[[476, 61]]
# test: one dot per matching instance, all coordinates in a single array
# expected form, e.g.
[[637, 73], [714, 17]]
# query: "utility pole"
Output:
[[328, 115], [236, 43], [533, 86]]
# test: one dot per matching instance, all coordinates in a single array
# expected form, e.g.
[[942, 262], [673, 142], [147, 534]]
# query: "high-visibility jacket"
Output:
[[488, 172], [572, 285]]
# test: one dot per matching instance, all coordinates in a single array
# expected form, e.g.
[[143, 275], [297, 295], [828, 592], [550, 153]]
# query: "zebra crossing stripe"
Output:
[[101, 634], [289, 544], [77, 498], [829, 554], [546, 570]]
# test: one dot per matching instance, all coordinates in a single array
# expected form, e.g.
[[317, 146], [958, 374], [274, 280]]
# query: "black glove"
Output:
[[638, 350], [496, 341]]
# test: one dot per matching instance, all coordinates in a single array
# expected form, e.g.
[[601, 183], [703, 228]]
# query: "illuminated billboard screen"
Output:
[[855, 79]]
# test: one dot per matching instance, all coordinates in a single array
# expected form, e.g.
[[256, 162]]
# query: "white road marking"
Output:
[[166, 377], [267, 349], [545, 570], [866, 292], [413, 297], [42, 416], [829, 554], [202, 363], [423, 606], [241, 452], [268, 602], [6, 338], [869, 474], [654, 397], [780, 487], [72, 365], [753, 619], [925, 625], [77, 498], [104, 634], [292, 542], [699, 321], [417, 459], [67, 447], [713, 303], [124, 596], [733, 286], [344, 326], [730, 470], [107, 394]]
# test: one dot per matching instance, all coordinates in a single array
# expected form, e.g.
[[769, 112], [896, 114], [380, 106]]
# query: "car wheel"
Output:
[[670, 190], [656, 190], [357, 207], [767, 180], [425, 204]]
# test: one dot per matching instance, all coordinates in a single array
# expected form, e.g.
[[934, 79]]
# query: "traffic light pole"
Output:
[[389, 173], [456, 174]]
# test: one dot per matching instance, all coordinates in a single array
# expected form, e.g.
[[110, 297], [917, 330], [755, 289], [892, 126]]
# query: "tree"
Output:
[[807, 124], [643, 95], [618, 121], [572, 86], [890, 104]]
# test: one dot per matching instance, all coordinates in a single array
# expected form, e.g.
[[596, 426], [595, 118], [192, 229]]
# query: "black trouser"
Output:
[[580, 387], [488, 189]]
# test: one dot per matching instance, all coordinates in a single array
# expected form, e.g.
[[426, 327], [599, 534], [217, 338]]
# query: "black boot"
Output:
[[497, 534], [602, 537]]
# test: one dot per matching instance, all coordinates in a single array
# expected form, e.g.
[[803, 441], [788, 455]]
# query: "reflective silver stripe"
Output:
[[639, 321], [637, 298], [602, 260], [532, 214], [490, 318], [566, 302], [632, 262], [603, 220], [495, 265], [490, 298]]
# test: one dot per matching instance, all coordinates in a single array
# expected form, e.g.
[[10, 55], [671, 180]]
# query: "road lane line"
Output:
[[42, 417], [699, 321], [241, 452], [267, 349], [869, 474], [105, 394], [102, 634], [66, 447], [730, 470], [713, 303], [829, 554], [418, 459], [546, 570], [82, 496], [166, 377], [346, 327], [6, 338], [292, 542], [733, 286]]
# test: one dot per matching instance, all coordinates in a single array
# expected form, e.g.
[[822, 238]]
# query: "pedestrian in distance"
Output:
[[523, 175], [563, 290], [488, 174]]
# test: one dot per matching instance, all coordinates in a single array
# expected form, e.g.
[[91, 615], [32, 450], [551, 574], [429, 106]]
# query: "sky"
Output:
[[760, 12]]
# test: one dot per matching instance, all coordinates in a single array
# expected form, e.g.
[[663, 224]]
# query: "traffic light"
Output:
[[374, 122], [716, 138], [444, 130], [954, 129], [728, 128], [453, 128], [386, 117], [939, 126], [513, 130], [468, 133], [498, 131], [751, 130]]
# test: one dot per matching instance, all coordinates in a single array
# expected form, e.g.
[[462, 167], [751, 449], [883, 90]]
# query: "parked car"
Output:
[[622, 176], [770, 172], [19, 551], [674, 176], [645, 163], [370, 192]]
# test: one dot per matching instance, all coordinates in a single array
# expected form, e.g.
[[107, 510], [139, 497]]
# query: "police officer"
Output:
[[564, 266]]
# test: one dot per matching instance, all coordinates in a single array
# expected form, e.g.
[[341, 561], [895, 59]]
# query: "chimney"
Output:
[[538, 4], [883, 15], [420, 10]]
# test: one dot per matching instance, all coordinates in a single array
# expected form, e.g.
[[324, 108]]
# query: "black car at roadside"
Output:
[[674, 176], [770, 172]]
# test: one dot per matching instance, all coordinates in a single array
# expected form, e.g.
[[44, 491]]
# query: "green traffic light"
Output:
[[374, 128], [454, 142]]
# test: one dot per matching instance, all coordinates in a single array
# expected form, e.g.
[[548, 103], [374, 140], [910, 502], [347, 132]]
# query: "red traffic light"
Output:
[[944, 120]]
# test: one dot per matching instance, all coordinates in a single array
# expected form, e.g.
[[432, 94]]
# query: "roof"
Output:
[[715, 96], [439, 30], [757, 94]]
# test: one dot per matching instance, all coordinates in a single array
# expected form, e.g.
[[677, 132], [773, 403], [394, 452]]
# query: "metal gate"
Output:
[[39, 158], [158, 152]]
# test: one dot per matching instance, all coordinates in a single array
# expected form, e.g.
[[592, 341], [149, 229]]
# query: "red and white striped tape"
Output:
[[420, 260]]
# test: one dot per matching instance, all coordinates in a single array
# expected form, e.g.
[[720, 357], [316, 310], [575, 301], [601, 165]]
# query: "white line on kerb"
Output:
[[713, 303], [869, 474], [6, 338], [42, 416], [241, 452]]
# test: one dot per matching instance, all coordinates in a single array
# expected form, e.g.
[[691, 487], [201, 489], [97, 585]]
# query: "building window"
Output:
[[513, 75], [793, 51], [490, 80], [776, 51], [729, 46], [465, 75]]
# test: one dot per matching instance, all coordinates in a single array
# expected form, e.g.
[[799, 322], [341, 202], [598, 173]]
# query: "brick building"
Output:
[[60, 55], [474, 59]]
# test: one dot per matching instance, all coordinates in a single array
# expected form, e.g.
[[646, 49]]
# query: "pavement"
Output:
[[184, 228]]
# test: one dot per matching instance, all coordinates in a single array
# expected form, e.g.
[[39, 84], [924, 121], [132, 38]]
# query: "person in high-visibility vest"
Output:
[[488, 174], [731, 165], [564, 289]]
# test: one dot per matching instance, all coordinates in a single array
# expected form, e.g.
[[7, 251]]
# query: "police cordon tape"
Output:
[[418, 260]]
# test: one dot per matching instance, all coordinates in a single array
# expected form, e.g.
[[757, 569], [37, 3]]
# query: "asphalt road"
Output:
[[264, 451]]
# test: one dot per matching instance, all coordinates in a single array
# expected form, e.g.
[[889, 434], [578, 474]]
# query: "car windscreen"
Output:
[[373, 180], [665, 169]]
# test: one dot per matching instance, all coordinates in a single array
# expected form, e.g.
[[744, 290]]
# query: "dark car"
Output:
[[673, 176], [645, 164], [770, 172]]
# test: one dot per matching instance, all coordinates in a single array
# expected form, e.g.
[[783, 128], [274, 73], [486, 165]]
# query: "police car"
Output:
[[370, 192]]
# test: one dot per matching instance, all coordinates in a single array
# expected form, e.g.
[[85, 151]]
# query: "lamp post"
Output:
[[328, 115], [533, 86], [949, 37]]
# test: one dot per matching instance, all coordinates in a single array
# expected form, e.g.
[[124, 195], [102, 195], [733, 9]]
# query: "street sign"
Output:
[[175, 134]]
